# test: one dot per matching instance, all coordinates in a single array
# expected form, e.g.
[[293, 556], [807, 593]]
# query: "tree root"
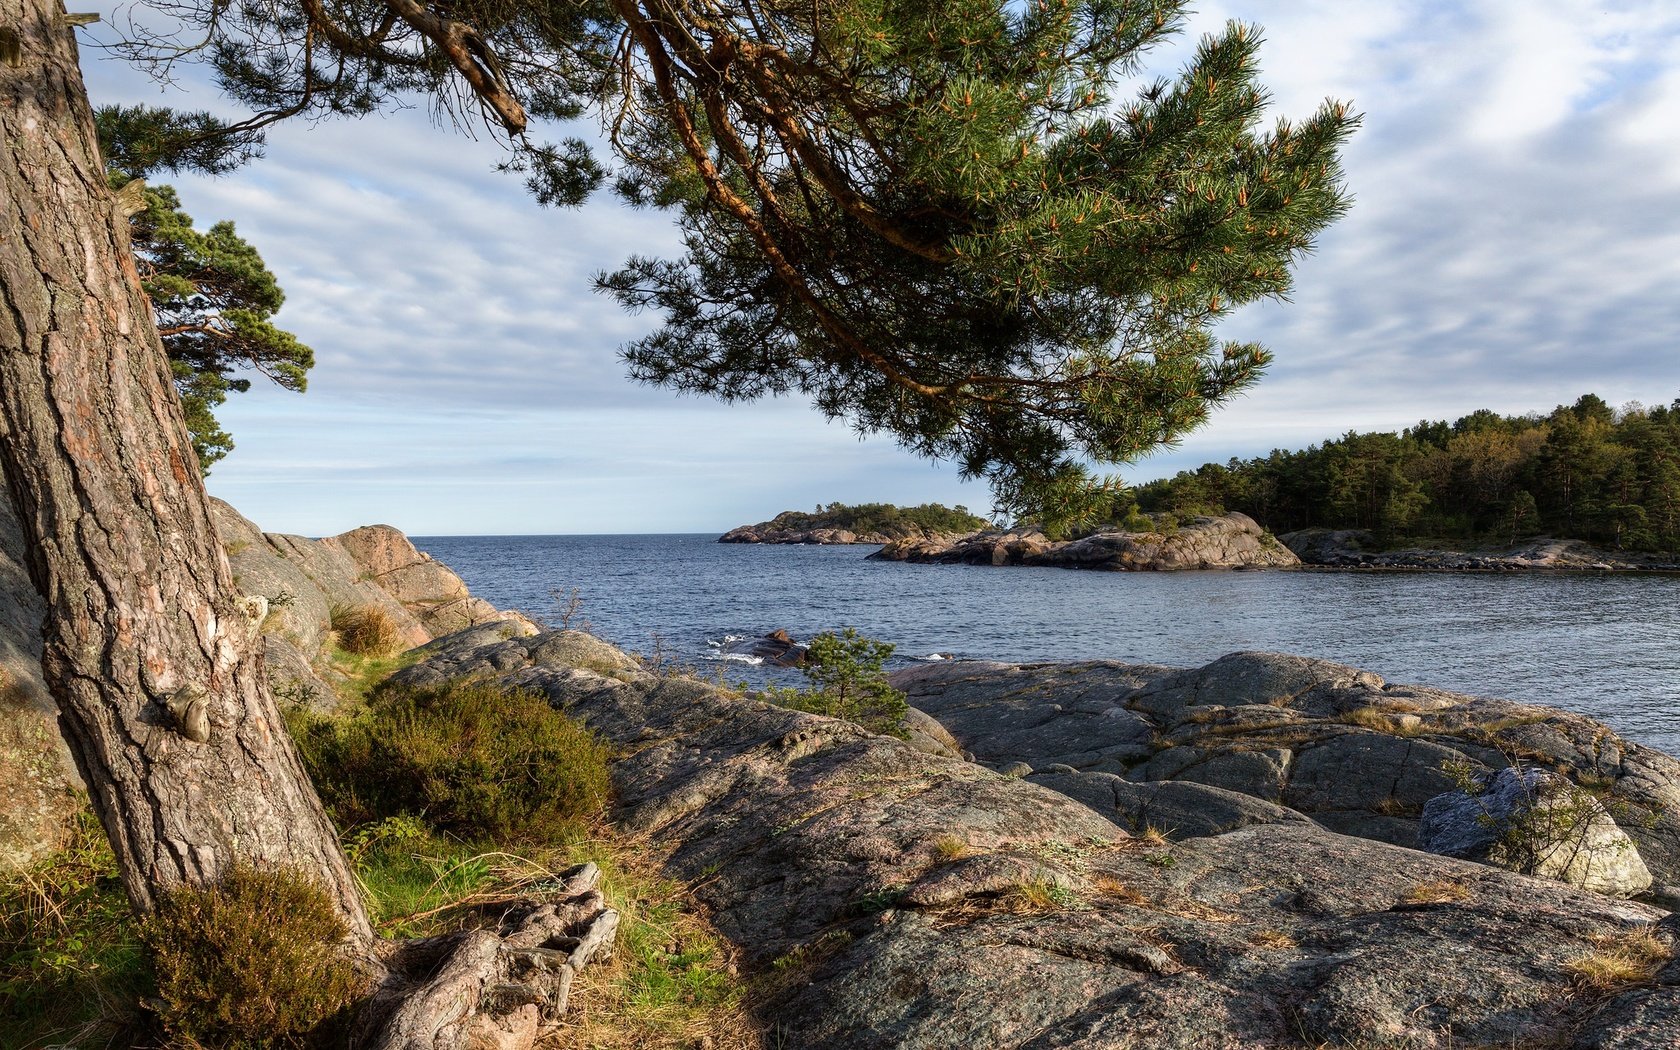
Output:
[[485, 989]]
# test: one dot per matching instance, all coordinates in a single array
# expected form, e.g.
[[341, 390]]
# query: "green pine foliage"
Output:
[[212, 295], [847, 680], [969, 242], [952, 222], [1582, 471], [883, 518]]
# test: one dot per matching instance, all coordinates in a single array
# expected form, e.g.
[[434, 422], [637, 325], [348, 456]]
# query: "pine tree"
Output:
[[936, 220]]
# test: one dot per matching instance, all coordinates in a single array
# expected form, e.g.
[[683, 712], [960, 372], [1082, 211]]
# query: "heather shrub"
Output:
[[478, 760], [255, 960]]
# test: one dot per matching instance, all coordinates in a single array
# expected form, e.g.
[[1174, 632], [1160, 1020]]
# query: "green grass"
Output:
[[73, 969], [71, 964], [364, 673]]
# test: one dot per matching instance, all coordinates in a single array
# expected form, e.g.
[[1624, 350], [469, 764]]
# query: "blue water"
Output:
[[1606, 646]]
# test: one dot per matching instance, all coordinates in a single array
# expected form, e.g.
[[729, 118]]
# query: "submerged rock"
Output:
[[777, 648], [1536, 823]]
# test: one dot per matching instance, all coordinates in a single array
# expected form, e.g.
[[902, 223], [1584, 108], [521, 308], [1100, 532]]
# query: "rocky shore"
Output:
[[297, 584], [1135, 857], [1231, 541], [1356, 549], [1249, 854]]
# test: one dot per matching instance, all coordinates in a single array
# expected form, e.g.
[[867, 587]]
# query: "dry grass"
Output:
[[1393, 807], [1274, 940], [1392, 723], [1037, 895], [367, 630], [1152, 836], [1109, 886], [950, 847], [1620, 958], [1175, 904], [1435, 891], [671, 983]]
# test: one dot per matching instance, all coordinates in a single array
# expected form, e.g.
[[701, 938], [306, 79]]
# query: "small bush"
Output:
[[254, 960], [477, 759], [1037, 895], [1435, 891], [845, 671], [950, 847], [368, 630]]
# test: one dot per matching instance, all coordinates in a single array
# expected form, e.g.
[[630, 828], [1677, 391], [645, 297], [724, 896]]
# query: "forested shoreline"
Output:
[[1582, 471]]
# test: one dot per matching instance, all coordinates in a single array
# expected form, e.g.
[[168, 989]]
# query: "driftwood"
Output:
[[499, 989]]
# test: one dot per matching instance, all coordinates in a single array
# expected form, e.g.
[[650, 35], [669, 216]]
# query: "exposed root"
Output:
[[499, 989]]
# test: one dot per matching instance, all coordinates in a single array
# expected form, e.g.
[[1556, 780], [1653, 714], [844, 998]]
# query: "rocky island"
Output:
[[866, 523], [1230, 541]]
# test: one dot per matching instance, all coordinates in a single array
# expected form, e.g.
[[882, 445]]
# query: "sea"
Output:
[[1604, 645]]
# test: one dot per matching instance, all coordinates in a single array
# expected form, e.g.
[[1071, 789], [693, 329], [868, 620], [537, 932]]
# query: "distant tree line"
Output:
[[1584, 471], [882, 517]]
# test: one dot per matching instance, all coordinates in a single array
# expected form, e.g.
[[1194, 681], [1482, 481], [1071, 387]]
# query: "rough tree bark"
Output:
[[147, 644]]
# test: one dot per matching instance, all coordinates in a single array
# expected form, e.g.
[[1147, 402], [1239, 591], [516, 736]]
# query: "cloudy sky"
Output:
[[1515, 242]]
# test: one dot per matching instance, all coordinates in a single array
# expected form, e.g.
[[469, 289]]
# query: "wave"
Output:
[[739, 658]]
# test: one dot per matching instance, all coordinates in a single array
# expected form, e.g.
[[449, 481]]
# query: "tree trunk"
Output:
[[148, 650]]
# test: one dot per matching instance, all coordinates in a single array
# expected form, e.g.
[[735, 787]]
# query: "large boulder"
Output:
[[306, 582], [1537, 823]]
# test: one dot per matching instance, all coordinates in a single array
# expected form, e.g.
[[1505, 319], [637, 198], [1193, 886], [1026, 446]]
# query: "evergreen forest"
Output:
[[1582, 471]]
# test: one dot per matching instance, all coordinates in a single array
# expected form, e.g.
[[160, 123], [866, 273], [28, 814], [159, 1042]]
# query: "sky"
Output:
[[1514, 243]]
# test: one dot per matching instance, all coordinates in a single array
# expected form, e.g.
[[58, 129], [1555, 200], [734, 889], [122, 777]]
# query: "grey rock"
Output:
[[1537, 823], [1360, 769], [1178, 809], [1333, 743], [816, 844], [926, 734], [1260, 774]]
